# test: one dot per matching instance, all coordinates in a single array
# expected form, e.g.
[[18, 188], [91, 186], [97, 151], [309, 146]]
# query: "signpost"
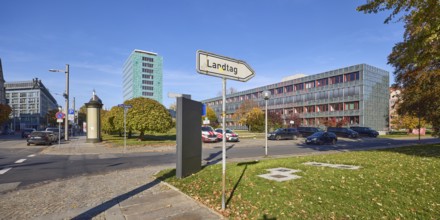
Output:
[[60, 116], [126, 107], [226, 68]]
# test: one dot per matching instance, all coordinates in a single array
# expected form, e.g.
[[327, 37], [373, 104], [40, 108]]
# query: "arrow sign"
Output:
[[224, 67]]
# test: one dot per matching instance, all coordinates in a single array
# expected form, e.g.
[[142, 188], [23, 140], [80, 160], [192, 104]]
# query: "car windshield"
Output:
[[229, 131], [38, 134], [278, 130], [317, 134], [207, 129], [52, 129]]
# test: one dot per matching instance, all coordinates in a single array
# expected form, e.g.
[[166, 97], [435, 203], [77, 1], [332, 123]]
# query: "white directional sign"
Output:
[[224, 67]]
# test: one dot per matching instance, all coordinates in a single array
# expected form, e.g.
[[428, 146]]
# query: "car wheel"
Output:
[[333, 142], [277, 138]]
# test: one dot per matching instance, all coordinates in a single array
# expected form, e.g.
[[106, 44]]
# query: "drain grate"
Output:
[[337, 166], [280, 174]]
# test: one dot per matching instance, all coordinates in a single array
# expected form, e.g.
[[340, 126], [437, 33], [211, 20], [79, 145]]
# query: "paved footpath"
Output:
[[125, 194]]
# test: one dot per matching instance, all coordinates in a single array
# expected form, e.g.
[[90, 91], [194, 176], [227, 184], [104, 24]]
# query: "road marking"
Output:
[[32, 155], [20, 161], [3, 171]]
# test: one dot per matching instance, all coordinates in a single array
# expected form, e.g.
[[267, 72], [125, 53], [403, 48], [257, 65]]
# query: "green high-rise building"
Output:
[[142, 76]]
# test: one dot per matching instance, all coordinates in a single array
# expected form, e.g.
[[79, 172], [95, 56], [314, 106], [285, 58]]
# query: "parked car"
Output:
[[343, 132], [40, 137], [53, 136], [26, 132], [8, 132], [307, 131], [230, 135], [208, 134], [56, 131], [365, 131], [284, 133], [322, 137]]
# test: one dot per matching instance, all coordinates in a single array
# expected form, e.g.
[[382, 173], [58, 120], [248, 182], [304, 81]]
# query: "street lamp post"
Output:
[[266, 95], [66, 96]]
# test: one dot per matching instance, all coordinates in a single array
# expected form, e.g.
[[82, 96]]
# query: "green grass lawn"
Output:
[[250, 135], [400, 183], [159, 139]]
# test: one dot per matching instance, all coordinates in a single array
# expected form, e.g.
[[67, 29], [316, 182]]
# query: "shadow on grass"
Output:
[[245, 164], [426, 150], [93, 212]]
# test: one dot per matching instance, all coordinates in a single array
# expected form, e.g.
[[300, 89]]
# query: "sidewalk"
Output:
[[126, 194]]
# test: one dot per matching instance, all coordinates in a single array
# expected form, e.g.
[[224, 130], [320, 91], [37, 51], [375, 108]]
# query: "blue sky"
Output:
[[276, 38]]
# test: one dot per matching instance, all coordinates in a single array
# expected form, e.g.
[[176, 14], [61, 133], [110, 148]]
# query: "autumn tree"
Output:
[[147, 116], [274, 120], [417, 59], [212, 117], [51, 117], [255, 119], [408, 122], [5, 111], [82, 115], [297, 121], [113, 121], [241, 113]]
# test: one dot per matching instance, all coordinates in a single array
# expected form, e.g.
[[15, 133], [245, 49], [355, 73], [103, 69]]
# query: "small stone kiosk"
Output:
[[94, 119]]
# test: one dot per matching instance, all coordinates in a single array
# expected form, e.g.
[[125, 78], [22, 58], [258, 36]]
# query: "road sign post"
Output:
[[126, 107], [60, 116], [226, 68]]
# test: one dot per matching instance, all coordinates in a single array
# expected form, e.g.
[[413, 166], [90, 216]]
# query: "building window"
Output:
[[149, 59], [321, 82], [145, 70], [299, 86], [279, 90], [147, 88], [146, 82], [289, 88], [145, 76], [336, 79], [351, 76], [147, 65], [147, 93], [351, 105], [310, 85]]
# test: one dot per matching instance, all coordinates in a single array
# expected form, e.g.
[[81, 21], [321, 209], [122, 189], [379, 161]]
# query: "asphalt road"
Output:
[[23, 166]]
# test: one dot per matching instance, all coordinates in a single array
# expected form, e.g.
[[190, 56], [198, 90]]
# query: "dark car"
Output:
[[343, 132], [26, 132], [307, 131], [322, 137], [40, 137], [365, 131], [56, 132], [284, 133]]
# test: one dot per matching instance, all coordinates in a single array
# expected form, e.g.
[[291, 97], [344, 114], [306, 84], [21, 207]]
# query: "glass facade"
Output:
[[357, 94], [142, 76]]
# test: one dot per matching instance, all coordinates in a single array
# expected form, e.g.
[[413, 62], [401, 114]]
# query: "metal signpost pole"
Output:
[[226, 68], [125, 128], [59, 134], [224, 144], [265, 126], [66, 125]]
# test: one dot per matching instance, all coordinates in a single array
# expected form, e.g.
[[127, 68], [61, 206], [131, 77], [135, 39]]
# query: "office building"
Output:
[[30, 102], [142, 76], [357, 94]]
